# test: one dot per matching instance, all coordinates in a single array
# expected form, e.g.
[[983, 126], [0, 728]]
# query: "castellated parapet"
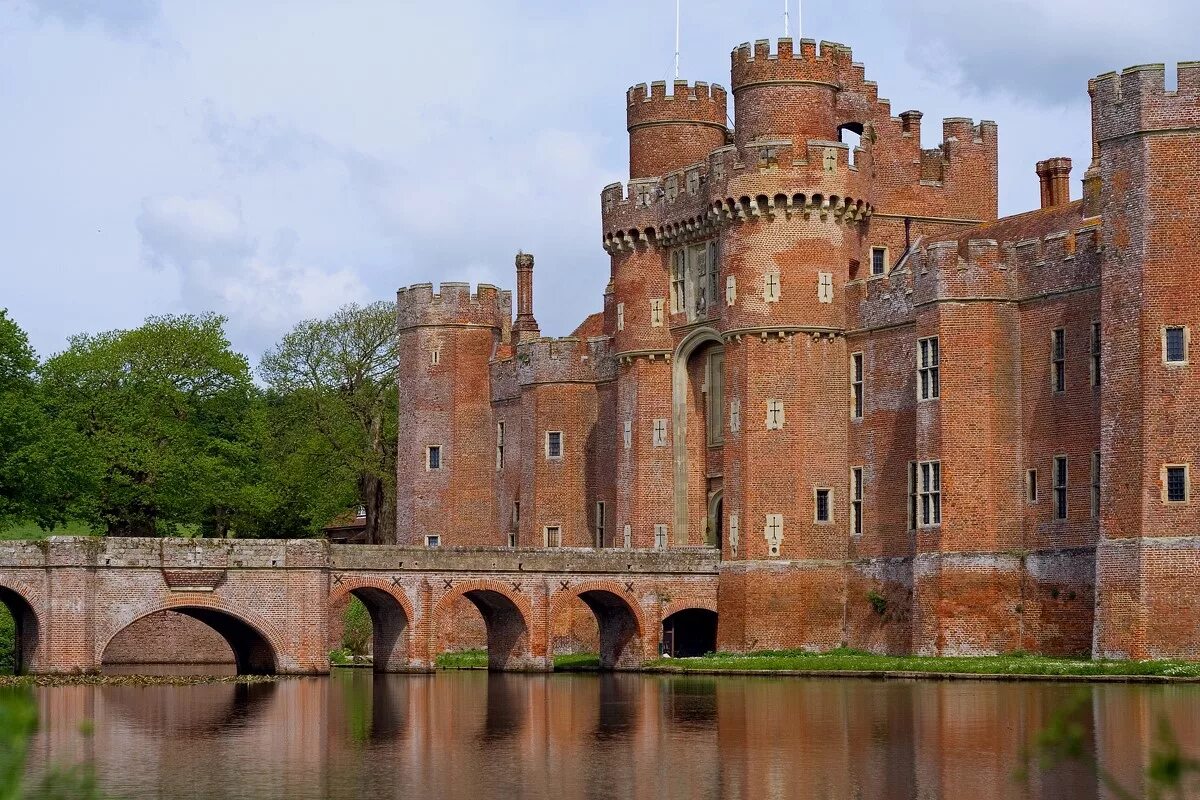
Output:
[[453, 305], [1136, 100], [667, 131]]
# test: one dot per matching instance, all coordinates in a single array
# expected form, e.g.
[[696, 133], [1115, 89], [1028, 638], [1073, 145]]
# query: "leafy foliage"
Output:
[[339, 376], [356, 635]]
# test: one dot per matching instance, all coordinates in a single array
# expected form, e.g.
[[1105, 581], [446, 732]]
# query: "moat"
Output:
[[475, 735]]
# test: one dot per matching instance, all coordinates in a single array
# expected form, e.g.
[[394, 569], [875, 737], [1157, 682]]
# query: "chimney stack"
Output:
[[1055, 177], [525, 326]]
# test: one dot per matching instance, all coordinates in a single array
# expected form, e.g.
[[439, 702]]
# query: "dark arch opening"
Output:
[[851, 133], [620, 641], [252, 653], [690, 632], [507, 631], [389, 629], [23, 655]]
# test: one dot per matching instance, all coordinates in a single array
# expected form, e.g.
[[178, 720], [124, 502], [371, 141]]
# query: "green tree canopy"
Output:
[[336, 377], [161, 422]]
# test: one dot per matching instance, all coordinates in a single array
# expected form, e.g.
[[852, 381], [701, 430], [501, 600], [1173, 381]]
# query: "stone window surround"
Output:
[[1187, 341], [1187, 483], [433, 457], [817, 492], [549, 438]]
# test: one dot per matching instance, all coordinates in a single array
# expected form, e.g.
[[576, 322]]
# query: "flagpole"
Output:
[[676, 39], [786, 32]]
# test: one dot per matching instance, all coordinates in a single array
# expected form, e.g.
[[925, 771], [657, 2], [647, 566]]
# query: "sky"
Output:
[[272, 161]]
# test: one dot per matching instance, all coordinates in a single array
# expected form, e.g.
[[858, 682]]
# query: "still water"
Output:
[[473, 735]]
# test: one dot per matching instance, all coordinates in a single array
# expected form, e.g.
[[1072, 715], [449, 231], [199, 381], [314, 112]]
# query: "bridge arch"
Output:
[[391, 619], [689, 628], [254, 642], [21, 606], [508, 618], [618, 616]]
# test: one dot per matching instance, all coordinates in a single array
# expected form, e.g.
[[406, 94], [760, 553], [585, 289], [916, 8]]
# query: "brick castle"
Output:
[[908, 425]]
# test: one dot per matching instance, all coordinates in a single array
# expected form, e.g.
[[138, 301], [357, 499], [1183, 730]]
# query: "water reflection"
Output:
[[474, 735]]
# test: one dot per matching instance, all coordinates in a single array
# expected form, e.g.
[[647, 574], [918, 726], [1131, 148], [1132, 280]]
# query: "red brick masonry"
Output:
[[808, 252]]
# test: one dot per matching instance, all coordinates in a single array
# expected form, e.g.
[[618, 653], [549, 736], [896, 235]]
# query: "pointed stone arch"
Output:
[[679, 387]]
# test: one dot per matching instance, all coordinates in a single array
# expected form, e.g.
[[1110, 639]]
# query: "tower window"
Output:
[[1176, 483], [1096, 485], [1095, 354], [768, 157], [1060, 487], [879, 260], [433, 457], [435, 357], [715, 398], [931, 493], [856, 385], [1031, 486], [552, 536], [928, 369], [1175, 344], [856, 501], [620, 316], [730, 290], [499, 445], [433, 540], [822, 505], [554, 444], [1058, 359], [600, 509]]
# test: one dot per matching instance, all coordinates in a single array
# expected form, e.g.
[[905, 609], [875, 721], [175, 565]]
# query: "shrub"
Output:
[[878, 602]]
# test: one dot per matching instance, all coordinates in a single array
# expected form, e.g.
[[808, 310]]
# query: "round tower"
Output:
[[671, 131], [787, 94], [445, 464]]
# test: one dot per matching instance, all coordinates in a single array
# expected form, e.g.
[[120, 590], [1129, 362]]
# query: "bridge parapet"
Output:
[[583, 561]]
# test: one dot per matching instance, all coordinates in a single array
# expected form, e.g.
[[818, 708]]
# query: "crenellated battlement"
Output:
[[567, 359], [699, 103], [1136, 100], [829, 63], [454, 304]]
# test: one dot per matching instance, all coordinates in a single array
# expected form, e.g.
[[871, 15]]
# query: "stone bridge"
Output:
[[279, 603]]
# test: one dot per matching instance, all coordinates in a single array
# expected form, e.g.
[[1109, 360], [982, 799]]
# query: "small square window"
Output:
[[1177, 488], [433, 457], [1175, 344], [554, 444], [433, 540], [823, 511], [552, 535], [878, 260]]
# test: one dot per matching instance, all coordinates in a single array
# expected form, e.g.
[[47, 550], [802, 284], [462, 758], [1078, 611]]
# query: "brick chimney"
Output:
[[1055, 177], [526, 326]]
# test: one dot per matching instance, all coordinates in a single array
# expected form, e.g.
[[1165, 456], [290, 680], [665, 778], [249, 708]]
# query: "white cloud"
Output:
[[1046, 51], [221, 267]]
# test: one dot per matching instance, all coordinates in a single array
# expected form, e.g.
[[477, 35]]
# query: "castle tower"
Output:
[[670, 131], [445, 479], [1148, 559]]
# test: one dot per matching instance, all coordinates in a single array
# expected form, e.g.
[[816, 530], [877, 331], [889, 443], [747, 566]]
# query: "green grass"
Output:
[[477, 659], [30, 531], [858, 661]]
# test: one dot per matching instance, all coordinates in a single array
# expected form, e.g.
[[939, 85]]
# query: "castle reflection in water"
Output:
[[473, 735]]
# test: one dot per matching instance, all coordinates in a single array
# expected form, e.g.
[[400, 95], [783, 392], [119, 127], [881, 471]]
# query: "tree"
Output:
[[340, 374], [33, 464], [159, 420]]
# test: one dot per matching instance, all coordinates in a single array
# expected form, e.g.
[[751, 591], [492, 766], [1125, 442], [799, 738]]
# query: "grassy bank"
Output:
[[477, 659], [28, 531], [846, 660]]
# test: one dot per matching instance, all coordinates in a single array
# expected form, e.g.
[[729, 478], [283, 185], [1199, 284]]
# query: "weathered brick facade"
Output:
[[754, 380]]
